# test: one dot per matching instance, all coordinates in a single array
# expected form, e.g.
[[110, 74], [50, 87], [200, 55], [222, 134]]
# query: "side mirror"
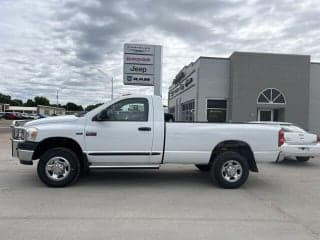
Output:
[[97, 118], [102, 116]]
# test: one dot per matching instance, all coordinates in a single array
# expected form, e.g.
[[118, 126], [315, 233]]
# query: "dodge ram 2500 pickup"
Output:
[[130, 132]]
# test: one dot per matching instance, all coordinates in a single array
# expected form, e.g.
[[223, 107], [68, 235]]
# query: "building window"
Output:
[[187, 112], [271, 96], [172, 110], [216, 110]]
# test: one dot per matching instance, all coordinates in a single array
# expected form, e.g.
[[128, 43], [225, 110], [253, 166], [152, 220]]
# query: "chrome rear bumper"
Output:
[[281, 157]]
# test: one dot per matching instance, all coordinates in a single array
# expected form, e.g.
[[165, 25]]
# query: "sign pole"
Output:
[[158, 71], [112, 88]]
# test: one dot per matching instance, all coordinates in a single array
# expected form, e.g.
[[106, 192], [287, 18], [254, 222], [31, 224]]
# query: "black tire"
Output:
[[219, 176], [203, 167], [74, 170], [302, 159]]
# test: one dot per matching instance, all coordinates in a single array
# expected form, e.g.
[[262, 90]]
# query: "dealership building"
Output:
[[248, 87], [40, 109]]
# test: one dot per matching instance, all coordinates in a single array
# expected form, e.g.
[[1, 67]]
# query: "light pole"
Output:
[[57, 97], [112, 88], [111, 81]]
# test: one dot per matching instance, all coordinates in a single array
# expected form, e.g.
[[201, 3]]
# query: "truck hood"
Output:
[[52, 120]]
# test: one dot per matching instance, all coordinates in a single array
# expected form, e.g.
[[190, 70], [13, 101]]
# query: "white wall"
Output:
[[188, 94], [314, 107], [214, 78]]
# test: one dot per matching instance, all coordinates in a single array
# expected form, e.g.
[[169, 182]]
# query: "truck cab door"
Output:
[[122, 133]]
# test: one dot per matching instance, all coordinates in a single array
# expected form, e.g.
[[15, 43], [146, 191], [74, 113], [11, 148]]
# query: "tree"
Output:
[[90, 107], [5, 98], [29, 103], [70, 106], [16, 102], [41, 101]]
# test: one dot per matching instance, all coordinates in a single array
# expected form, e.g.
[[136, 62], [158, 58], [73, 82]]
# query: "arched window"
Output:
[[271, 96]]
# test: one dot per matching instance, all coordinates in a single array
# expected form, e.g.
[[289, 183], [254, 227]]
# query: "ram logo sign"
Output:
[[142, 64]]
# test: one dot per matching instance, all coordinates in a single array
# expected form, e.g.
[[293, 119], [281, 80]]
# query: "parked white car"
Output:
[[131, 132], [298, 143]]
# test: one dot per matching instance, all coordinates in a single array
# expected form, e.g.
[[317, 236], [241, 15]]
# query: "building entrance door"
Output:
[[276, 115], [265, 115]]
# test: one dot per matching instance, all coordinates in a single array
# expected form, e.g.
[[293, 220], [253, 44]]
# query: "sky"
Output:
[[61, 45]]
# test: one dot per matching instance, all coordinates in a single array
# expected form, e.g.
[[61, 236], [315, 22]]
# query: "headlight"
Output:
[[18, 133], [31, 134]]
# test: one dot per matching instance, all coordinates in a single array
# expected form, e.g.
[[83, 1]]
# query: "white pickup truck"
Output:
[[130, 132]]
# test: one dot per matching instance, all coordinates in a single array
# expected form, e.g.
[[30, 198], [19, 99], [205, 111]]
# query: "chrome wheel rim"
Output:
[[57, 168], [231, 171]]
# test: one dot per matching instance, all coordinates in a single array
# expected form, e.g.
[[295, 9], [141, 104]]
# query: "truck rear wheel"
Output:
[[58, 167], [203, 167], [230, 170]]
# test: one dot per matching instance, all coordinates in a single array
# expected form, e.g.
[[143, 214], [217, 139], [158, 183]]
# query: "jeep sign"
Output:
[[138, 69], [142, 65]]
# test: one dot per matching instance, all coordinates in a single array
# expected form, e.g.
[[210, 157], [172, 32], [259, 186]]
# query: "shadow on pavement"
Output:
[[156, 178], [145, 178], [292, 162]]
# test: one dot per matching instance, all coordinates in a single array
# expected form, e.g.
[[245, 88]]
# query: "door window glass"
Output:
[[133, 109]]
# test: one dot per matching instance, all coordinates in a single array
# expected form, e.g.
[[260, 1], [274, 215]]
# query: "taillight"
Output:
[[281, 138], [318, 138]]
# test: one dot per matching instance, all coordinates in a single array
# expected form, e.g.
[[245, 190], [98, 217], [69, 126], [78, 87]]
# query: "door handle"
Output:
[[144, 129], [91, 134]]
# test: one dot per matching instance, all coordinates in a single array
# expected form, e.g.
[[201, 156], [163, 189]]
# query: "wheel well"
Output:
[[69, 143], [240, 147]]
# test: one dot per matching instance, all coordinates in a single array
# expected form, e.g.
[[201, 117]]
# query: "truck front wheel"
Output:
[[58, 167], [230, 170]]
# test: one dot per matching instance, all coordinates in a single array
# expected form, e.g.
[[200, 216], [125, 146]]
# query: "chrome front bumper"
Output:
[[14, 147], [25, 156]]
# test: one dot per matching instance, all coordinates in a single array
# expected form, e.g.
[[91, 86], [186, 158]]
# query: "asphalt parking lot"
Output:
[[282, 201]]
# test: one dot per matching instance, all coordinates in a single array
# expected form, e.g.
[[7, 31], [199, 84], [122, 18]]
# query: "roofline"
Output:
[[218, 58], [271, 53], [50, 107], [271, 123], [22, 107], [267, 53]]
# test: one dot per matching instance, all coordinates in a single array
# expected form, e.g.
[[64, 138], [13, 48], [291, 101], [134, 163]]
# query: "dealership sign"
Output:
[[142, 64], [138, 69], [138, 59]]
